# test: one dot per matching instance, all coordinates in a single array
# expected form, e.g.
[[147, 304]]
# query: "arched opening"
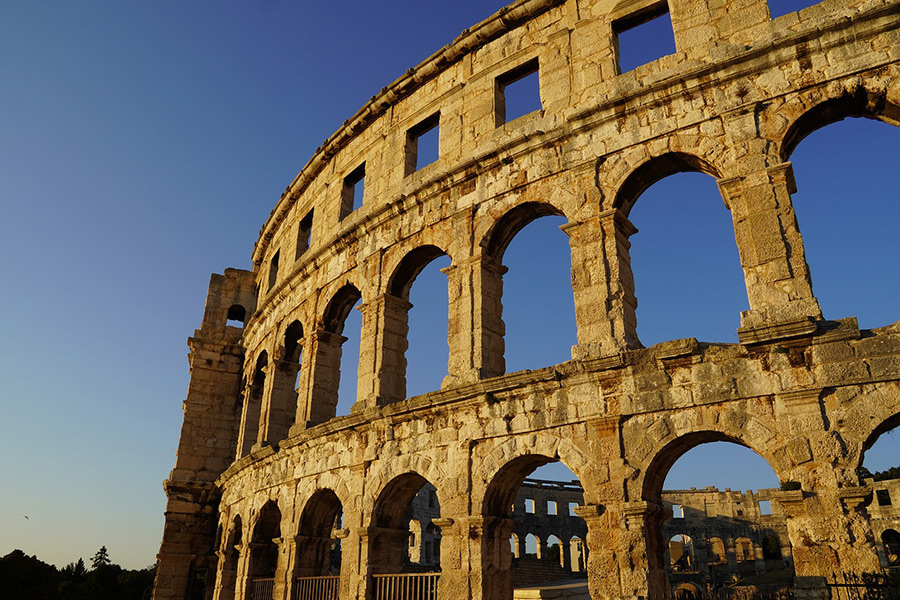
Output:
[[687, 591], [317, 567], [890, 540], [398, 562], [532, 260], [237, 316], [416, 323], [519, 506], [264, 551], [282, 407], [717, 554], [336, 360], [718, 540], [253, 400], [682, 555], [229, 556], [846, 202], [880, 471], [684, 258], [554, 550], [771, 549]]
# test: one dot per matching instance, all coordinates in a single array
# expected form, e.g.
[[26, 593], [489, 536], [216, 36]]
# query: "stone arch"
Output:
[[741, 428], [644, 165], [394, 306], [530, 539], [505, 468], [717, 553], [890, 539], [280, 408], [237, 312], [510, 223], [408, 268], [318, 551], [507, 464], [577, 554], [339, 307], [251, 417], [553, 541], [264, 548], [654, 170], [232, 534], [682, 553], [325, 371], [389, 533], [816, 109]]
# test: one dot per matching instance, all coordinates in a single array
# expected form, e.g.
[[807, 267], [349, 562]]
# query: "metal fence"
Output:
[[317, 588], [865, 586], [261, 589], [406, 586]]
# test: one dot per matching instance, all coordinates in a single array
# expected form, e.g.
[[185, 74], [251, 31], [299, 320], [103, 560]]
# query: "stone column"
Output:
[[779, 289], [454, 581], [242, 577], [490, 558], [475, 323], [731, 554], [320, 402], [826, 520], [642, 570], [281, 587], [382, 363], [603, 284], [252, 405], [226, 573]]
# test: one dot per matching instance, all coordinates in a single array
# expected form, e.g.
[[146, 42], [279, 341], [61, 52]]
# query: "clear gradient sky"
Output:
[[143, 145]]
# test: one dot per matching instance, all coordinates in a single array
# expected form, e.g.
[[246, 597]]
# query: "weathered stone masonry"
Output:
[[263, 468]]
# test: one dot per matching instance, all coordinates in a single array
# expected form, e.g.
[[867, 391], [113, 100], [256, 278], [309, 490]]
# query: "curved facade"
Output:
[[267, 479]]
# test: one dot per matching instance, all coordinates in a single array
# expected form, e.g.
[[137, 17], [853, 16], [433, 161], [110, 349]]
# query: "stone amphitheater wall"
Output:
[[808, 392]]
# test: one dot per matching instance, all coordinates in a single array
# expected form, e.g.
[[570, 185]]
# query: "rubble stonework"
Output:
[[266, 478]]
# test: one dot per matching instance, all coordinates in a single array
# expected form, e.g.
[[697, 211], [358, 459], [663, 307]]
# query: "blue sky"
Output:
[[142, 146]]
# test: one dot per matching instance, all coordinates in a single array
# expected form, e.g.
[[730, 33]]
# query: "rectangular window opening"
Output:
[[529, 506], [643, 37], [765, 507], [353, 190], [551, 507], [779, 8], [422, 143], [304, 234], [677, 511], [884, 497], [273, 270], [572, 506], [517, 93]]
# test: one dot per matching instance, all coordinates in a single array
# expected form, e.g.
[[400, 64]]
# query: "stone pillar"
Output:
[[731, 554], [490, 557], [253, 396], [172, 575], [226, 574], [280, 402], [454, 581], [242, 577], [382, 363], [642, 570], [759, 562], [603, 284], [779, 289], [475, 320], [826, 520], [320, 403], [281, 587]]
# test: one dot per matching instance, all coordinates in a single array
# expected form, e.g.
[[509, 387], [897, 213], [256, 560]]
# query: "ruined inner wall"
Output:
[[260, 458]]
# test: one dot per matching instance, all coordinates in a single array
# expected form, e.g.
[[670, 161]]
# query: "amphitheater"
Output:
[[268, 480]]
